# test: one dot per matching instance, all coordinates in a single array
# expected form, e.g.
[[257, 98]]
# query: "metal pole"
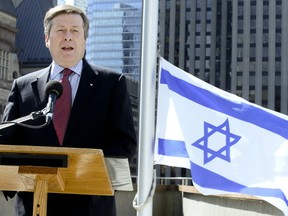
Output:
[[147, 108]]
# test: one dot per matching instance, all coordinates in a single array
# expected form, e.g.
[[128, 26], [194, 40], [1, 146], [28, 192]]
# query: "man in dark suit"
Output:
[[100, 115]]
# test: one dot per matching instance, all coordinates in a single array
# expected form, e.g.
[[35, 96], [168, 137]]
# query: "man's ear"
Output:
[[46, 40]]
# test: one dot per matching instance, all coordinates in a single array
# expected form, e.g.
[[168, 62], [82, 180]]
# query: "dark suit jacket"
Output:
[[101, 117]]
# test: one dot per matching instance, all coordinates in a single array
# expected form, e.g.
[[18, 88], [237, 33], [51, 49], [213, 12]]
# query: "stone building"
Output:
[[9, 66], [30, 41]]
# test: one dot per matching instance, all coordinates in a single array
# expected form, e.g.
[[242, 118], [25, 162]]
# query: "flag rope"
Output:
[[149, 197]]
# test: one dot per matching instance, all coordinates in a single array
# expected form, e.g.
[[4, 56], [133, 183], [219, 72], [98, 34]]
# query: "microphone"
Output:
[[53, 90]]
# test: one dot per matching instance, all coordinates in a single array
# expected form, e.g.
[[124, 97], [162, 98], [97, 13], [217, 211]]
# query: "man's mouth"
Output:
[[67, 48]]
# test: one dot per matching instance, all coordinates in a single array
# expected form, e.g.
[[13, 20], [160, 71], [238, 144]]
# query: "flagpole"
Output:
[[145, 181]]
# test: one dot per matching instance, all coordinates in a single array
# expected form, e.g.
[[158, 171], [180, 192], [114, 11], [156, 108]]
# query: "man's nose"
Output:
[[68, 36]]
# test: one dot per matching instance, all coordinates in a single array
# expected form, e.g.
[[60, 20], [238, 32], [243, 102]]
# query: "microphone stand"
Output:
[[19, 121]]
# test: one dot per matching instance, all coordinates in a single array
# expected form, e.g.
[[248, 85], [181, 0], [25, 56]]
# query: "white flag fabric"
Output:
[[230, 144]]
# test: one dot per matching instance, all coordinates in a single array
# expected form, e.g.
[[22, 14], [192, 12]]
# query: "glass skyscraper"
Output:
[[78, 3], [115, 35]]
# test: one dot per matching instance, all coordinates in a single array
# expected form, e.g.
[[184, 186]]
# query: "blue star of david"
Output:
[[224, 151]]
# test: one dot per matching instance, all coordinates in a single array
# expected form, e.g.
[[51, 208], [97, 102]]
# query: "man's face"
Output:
[[66, 39]]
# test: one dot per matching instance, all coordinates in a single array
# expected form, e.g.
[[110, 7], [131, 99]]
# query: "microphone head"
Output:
[[53, 87]]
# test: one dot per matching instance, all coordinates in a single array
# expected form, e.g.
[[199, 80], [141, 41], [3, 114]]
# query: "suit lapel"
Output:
[[38, 87], [87, 85]]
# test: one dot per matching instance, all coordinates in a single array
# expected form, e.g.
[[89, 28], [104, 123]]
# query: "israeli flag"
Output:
[[230, 144]]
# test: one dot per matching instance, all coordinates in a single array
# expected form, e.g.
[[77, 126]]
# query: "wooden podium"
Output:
[[44, 170]]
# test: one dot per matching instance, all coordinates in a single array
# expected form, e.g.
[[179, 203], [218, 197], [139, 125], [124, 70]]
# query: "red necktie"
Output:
[[63, 106]]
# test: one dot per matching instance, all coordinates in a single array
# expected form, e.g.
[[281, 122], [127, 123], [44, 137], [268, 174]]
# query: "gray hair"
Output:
[[65, 9]]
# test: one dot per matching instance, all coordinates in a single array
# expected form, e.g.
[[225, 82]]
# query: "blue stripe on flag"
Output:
[[172, 148], [242, 111], [203, 177]]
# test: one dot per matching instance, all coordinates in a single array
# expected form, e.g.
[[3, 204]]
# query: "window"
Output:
[[3, 64]]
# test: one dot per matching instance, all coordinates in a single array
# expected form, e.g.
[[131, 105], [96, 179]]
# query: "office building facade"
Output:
[[115, 35], [237, 45], [78, 3]]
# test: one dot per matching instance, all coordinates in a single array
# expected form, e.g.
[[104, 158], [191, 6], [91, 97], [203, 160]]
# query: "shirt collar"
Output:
[[56, 69]]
